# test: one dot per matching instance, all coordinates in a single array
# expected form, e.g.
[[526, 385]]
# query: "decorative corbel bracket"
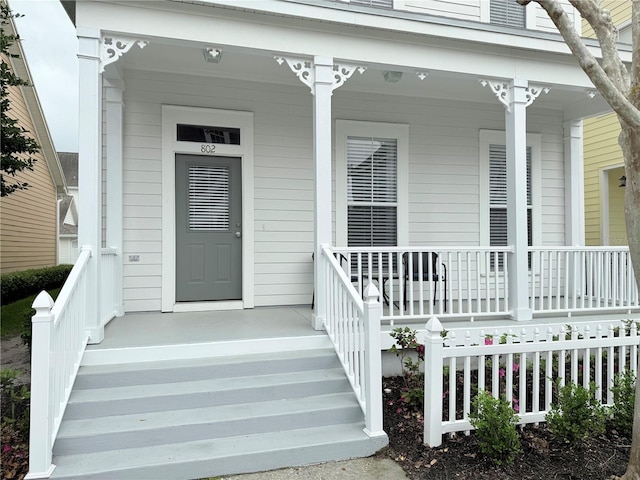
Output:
[[343, 73], [502, 93], [306, 74], [112, 48]]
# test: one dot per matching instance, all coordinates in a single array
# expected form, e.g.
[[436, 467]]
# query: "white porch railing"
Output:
[[464, 281], [520, 366], [354, 329], [108, 284], [574, 279], [59, 339]]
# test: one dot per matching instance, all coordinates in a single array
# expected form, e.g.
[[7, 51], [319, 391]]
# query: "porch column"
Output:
[[114, 90], [322, 89], [90, 171], [574, 199], [573, 183], [517, 235]]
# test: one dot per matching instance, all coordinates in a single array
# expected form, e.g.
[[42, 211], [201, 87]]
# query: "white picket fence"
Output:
[[353, 325], [521, 365], [58, 341]]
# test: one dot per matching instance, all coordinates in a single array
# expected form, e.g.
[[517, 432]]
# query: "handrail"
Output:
[[65, 293], [59, 339], [353, 325]]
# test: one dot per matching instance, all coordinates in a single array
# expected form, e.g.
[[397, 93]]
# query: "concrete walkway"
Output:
[[372, 468]]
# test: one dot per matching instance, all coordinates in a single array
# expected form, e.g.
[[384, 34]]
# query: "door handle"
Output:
[[238, 234]]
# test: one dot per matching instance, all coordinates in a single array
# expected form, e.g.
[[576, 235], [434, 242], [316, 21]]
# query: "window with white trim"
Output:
[[371, 184], [493, 188], [372, 191], [507, 12], [498, 197]]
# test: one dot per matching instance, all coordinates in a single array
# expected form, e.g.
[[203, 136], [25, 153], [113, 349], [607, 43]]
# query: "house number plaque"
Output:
[[207, 148]]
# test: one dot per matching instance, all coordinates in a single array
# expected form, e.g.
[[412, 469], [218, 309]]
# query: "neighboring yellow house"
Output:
[[29, 218], [603, 162]]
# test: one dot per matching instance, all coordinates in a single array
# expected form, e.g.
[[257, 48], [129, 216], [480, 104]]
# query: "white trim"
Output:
[[208, 306], [605, 234], [172, 115], [346, 128], [534, 140]]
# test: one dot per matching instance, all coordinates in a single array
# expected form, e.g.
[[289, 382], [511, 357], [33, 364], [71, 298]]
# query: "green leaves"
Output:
[[17, 146]]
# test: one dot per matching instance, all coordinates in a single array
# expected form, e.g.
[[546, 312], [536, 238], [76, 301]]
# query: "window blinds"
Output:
[[372, 191], [208, 192], [498, 196], [507, 12]]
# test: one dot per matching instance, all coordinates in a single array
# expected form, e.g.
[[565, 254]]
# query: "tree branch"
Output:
[[616, 98]]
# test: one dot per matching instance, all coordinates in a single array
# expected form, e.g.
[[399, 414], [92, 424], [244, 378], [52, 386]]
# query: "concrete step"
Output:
[[147, 429], [172, 371], [202, 417], [102, 402], [222, 456]]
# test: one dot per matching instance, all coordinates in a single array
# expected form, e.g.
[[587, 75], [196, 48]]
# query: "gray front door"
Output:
[[208, 228]]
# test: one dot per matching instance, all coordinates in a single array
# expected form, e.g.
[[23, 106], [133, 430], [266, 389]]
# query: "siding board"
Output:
[[443, 184]]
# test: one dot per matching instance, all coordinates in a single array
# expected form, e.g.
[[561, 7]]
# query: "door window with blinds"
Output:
[[208, 198], [372, 191]]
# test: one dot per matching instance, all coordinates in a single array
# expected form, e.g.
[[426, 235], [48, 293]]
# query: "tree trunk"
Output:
[[630, 143]]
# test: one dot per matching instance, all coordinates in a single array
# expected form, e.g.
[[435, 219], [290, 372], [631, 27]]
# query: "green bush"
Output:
[[624, 397], [495, 423], [577, 414], [18, 285], [405, 347]]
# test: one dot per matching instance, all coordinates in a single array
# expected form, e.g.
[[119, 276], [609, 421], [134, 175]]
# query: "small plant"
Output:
[[577, 414], [411, 355], [495, 423], [624, 397], [15, 399]]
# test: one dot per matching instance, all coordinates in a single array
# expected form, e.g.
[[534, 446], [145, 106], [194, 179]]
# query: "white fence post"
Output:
[[434, 346], [40, 442], [373, 362]]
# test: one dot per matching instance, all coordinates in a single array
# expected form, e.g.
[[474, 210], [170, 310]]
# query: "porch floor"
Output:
[[145, 329]]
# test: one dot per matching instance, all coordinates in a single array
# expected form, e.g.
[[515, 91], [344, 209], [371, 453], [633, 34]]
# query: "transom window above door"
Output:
[[207, 134], [371, 184]]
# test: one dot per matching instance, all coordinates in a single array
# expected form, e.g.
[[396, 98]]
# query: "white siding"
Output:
[[464, 10], [544, 23], [443, 171]]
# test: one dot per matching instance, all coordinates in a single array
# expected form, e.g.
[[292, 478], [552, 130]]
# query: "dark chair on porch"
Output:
[[343, 261], [430, 272]]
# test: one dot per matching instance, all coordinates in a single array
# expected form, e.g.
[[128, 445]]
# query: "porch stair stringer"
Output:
[[197, 418]]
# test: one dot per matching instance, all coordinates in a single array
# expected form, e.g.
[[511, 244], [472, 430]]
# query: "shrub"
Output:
[[624, 397], [17, 285], [495, 423], [577, 414], [406, 347]]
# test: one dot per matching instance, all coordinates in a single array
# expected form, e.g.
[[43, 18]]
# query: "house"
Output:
[[604, 166], [238, 159], [29, 222], [68, 216]]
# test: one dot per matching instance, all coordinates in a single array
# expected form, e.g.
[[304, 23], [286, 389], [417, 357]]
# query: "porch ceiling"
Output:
[[254, 65]]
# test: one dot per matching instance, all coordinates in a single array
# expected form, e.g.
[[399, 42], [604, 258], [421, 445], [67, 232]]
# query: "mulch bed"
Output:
[[459, 457]]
